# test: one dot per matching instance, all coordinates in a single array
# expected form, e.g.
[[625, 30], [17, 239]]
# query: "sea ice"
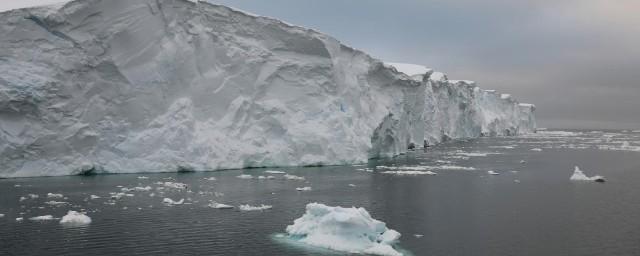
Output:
[[51, 195], [174, 185], [580, 176], [42, 218], [293, 177], [74, 218], [246, 207], [410, 172], [216, 205], [350, 230], [169, 201]]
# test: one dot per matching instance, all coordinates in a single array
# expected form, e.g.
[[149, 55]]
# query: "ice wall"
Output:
[[165, 85]]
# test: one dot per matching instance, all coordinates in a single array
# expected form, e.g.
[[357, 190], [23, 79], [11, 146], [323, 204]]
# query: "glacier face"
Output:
[[164, 85]]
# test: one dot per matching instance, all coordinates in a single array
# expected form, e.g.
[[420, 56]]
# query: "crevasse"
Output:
[[166, 85]]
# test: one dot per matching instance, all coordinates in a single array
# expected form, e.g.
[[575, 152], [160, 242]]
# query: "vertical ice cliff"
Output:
[[162, 85]]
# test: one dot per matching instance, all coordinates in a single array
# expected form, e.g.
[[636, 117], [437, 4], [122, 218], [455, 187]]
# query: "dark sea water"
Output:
[[530, 208]]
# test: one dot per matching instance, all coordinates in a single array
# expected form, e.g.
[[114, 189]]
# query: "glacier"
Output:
[[124, 86]]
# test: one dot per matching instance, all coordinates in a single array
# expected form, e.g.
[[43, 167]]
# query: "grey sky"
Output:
[[577, 60]]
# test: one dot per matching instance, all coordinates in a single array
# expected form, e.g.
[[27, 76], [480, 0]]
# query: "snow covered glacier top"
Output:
[[161, 85]]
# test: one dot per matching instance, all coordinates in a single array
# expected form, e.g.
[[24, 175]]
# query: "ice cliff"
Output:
[[165, 85]]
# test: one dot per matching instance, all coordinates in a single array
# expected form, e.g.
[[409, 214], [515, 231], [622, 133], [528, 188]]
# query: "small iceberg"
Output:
[[52, 195], [42, 218], [304, 189], [350, 230], [293, 177], [578, 175], [536, 149], [493, 173], [274, 172], [169, 201], [216, 205], [244, 176], [74, 218], [246, 207]]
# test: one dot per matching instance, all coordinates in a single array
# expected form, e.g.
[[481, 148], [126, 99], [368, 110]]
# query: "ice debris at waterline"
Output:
[[246, 207], [74, 218], [179, 85], [578, 175], [350, 230]]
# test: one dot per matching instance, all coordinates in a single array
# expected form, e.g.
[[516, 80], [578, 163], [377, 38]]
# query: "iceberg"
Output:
[[134, 86], [74, 218], [350, 230], [578, 175]]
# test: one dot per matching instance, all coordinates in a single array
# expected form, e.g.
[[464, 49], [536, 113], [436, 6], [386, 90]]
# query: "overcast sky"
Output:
[[577, 60]]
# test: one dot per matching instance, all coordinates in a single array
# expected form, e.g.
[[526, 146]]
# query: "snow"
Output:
[[304, 189], [262, 207], [169, 201], [350, 230], [409, 69], [205, 94], [74, 218], [42, 218], [216, 205], [578, 175]]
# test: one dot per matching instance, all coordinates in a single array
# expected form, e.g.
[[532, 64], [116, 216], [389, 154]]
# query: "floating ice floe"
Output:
[[350, 230], [262, 207], [578, 175], [55, 203], [261, 177], [293, 177], [364, 169], [523, 161], [52, 195], [304, 189], [174, 185], [493, 173], [119, 195], [418, 235], [19, 219], [216, 205], [352, 185], [426, 167], [210, 179], [169, 201], [93, 197], [1, 215], [244, 176], [536, 149], [274, 172], [74, 218], [42, 218], [475, 154], [143, 177], [410, 172], [29, 196]]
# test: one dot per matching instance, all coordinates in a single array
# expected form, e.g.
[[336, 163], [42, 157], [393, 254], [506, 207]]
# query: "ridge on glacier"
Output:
[[166, 85]]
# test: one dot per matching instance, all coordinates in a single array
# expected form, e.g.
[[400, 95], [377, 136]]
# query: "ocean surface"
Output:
[[530, 207]]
